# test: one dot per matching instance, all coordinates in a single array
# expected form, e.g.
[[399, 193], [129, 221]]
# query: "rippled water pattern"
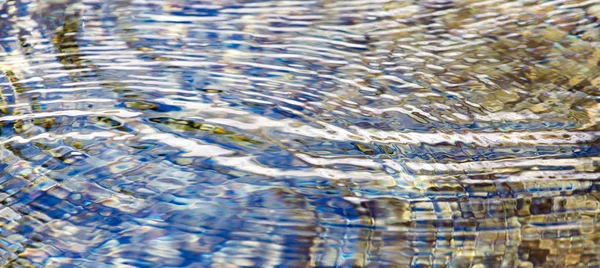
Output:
[[310, 133]]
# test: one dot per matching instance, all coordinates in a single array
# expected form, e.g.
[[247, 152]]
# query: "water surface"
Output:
[[312, 133]]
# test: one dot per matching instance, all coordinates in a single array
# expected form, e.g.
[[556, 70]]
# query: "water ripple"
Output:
[[237, 133]]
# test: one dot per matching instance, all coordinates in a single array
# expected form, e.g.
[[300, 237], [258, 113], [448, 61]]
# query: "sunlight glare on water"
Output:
[[308, 133]]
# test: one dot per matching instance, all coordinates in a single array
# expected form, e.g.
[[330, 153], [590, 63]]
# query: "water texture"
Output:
[[310, 133]]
